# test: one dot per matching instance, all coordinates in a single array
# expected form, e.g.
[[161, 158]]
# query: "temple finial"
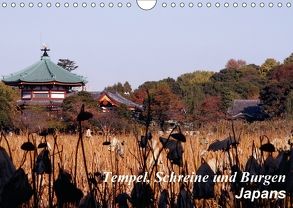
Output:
[[45, 49]]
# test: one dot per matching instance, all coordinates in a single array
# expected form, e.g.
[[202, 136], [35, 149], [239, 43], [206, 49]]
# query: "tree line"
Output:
[[195, 98], [204, 96]]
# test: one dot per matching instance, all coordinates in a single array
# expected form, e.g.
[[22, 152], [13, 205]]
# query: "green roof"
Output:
[[44, 71]]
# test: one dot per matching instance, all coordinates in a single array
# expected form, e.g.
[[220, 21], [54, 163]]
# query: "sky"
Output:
[[113, 45]]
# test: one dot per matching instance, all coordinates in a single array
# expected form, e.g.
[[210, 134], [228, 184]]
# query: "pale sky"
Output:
[[128, 44]]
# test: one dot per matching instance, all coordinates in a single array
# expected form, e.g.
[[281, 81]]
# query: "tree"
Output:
[[127, 88], [36, 118], [123, 89], [170, 82], [173, 85], [115, 121], [247, 89], [118, 87], [72, 104], [289, 105], [268, 65], [8, 107], [67, 64], [139, 95], [244, 83], [235, 64], [289, 59], [210, 109], [274, 97], [165, 105], [193, 99], [188, 80], [191, 85], [282, 73]]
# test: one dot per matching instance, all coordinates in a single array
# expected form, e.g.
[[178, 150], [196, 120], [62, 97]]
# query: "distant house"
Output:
[[109, 100], [249, 110], [44, 83]]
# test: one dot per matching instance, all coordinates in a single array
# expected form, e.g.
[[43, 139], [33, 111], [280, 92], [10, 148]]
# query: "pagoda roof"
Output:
[[44, 71]]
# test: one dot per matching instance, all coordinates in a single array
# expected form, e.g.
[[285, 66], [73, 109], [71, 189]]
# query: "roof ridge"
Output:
[[127, 99], [51, 74]]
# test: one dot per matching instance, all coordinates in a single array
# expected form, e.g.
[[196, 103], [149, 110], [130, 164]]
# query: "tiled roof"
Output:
[[120, 99], [44, 71], [239, 106], [246, 109], [117, 98]]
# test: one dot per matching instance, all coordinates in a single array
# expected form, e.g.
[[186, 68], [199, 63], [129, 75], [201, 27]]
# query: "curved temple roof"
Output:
[[116, 98], [120, 99], [44, 71]]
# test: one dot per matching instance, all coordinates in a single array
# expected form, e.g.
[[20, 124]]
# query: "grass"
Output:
[[99, 158]]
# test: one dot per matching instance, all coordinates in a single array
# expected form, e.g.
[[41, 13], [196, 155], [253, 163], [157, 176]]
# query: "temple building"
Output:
[[110, 100], [249, 110], [44, 83]]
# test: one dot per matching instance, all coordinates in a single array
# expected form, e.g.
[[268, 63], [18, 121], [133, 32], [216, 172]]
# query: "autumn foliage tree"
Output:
[[164, 104], [277, 94], [210, 110], [235, 64], [283, 73], [268, 65]]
